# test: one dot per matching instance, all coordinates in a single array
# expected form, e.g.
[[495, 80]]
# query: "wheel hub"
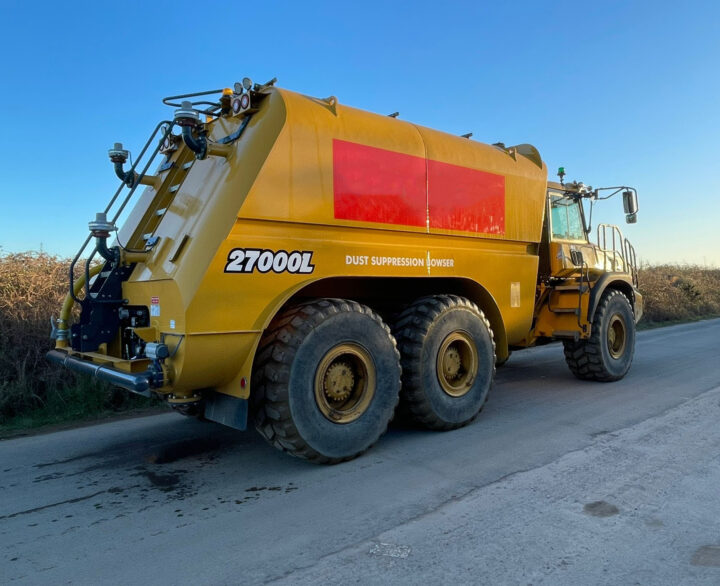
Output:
[[339, 381], [345, 383], [616, 336], [451, 363], [457, 363]]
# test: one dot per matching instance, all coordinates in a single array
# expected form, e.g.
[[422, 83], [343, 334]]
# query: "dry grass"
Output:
[[679, 293], [32, 289], [33, 285]]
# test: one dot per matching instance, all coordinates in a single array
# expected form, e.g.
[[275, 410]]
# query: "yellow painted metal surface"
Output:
[[276, 191]]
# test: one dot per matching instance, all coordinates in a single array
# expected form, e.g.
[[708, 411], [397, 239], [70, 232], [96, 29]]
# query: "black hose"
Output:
[[109, 254], [127, 177], [196, 145]]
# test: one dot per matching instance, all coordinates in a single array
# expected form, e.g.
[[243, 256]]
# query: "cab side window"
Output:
[[566, 219]]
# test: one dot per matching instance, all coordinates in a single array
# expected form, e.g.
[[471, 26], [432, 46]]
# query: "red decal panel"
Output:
[[465, 199], [376, 185]]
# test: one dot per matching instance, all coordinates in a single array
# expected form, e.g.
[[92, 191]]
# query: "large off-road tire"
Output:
[[447, 352], [326, 380], [607, 354]]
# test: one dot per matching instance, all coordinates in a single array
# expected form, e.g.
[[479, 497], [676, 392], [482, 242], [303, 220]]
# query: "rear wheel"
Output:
[[448, 360], [326, 380], [607, 354]]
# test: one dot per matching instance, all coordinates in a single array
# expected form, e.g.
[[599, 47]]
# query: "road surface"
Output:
[[557, 482]]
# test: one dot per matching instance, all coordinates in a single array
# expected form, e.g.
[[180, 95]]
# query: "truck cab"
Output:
[[577, 277]]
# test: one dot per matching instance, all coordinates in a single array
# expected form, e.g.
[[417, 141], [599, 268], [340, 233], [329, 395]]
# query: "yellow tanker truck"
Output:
[[314, 268]]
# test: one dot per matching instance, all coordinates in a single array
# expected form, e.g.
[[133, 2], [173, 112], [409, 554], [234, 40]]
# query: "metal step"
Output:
[[575, 287], [574, 310]]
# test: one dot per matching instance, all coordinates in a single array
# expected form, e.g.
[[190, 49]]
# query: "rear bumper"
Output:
[[139, 383]]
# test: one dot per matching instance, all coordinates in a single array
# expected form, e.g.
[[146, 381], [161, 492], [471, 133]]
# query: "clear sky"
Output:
[[617, 92]]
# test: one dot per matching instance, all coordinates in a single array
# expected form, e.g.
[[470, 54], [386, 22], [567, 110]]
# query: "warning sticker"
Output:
[[154, 307], [515, 294]]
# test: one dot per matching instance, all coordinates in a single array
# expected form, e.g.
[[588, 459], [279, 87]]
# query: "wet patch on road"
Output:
[[289, 488], [170, 483], [170, 453], [165, 482], [138, 475], [199, 439], [600, 509], [51, 505], [46, 477], [255, 493], [707, 555]]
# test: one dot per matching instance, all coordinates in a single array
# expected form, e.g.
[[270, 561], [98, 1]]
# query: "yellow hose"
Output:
[[62, 323]]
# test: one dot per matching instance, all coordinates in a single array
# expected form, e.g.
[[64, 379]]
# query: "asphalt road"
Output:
[[557, 482]]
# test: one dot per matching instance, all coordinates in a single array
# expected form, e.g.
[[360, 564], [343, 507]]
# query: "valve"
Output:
[[100, 229], [118, 157], [187, 119], [118, 154], [101, 226]]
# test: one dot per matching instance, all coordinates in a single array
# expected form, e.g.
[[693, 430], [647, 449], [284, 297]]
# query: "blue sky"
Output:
[[616, 92]]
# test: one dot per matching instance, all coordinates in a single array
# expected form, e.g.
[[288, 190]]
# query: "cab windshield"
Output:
[[566, 218]]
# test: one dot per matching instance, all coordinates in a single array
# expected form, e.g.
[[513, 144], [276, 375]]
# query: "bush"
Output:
[[679, 293], [32, 289]]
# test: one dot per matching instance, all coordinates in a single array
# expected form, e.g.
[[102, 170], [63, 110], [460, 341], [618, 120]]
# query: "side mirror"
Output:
[[630, 204]]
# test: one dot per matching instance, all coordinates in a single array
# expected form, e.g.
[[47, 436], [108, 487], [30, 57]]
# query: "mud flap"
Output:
[[227, 410]]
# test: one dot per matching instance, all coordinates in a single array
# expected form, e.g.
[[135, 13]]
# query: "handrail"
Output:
[[632, 261], [617, 239], [622, 252], [585, 266], [168, 125]]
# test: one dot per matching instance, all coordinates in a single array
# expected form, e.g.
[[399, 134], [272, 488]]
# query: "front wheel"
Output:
[[607, 354], [326, 380]]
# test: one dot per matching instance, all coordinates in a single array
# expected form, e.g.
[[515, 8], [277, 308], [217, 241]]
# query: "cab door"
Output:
[[567, 236]]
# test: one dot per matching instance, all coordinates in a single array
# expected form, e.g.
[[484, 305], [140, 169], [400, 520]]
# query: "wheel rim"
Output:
[[457, 364], [617, 336], [345, 383]]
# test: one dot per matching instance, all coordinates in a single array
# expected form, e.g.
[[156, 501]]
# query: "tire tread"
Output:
[[409, 328], [271, 373], [584, 357]]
